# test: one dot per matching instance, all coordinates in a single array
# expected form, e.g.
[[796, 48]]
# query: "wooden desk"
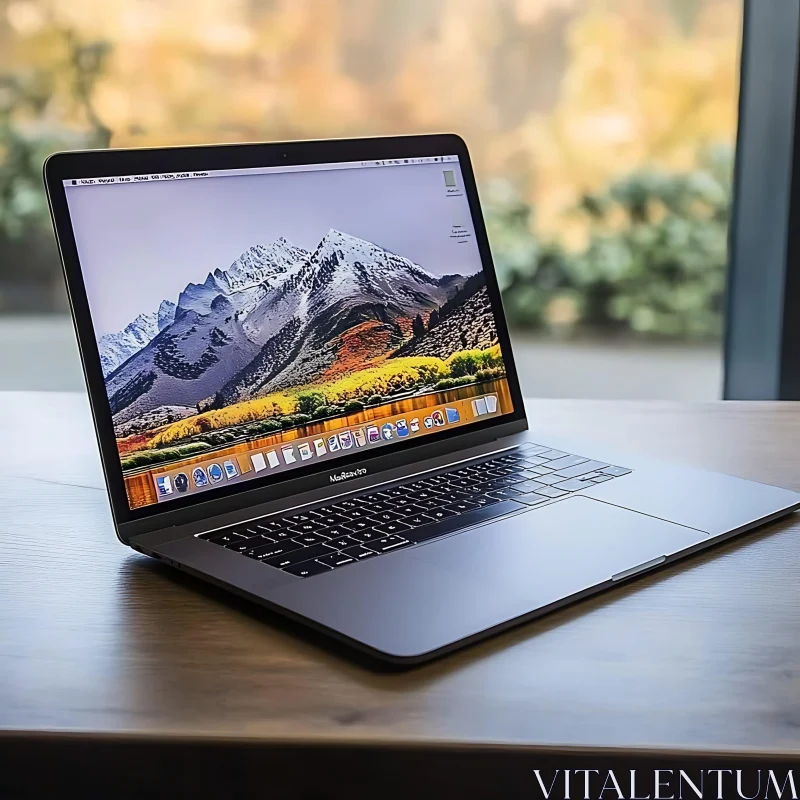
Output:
[[107, 650]]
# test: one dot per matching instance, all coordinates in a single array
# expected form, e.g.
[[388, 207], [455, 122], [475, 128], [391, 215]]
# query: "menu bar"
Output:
[[158, 177]]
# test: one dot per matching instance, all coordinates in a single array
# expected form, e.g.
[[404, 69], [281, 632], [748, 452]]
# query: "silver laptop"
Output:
[[304, 391]]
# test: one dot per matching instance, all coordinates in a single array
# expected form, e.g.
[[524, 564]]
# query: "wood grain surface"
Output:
[[99, 640]]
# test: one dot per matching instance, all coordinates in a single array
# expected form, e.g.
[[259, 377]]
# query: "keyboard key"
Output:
[[397, 503], [534, 461], [573, 485], [453, 497], [616, 471], [602, 478], [386, 516], [273, 550], [462, 507], [533, 449], [377, 506], [540, 470], [227, 538], [391, 528], [341, 542], [335, 560], [461, 521], [298, 556], [243, 545], [484, 499], [349, 516], [440, 513], [566, 461], [305, 527], [270, 525], [528, 486], [308, 568], [358, 552], [581, 469], [550, 455], [505, 494], [547, 480], [307, 539], [388, 543], [297, 519], [343, 506], [551, 491], [418, 519], [356, 525], [334, 519], [395, 491], [279, 535], [531, 499], [426, 504], [365, 536]]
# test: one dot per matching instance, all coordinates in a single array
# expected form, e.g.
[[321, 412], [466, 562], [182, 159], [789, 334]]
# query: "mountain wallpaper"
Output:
[[289, 334]]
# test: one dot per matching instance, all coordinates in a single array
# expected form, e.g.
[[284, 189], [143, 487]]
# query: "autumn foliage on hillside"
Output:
[[393, 377]]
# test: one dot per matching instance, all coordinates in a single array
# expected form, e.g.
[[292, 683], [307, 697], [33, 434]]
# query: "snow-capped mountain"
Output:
[[166, 314], [273, 319], [116, 348]]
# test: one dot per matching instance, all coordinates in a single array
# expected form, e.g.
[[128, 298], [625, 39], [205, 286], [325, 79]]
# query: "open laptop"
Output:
[[304, 391]]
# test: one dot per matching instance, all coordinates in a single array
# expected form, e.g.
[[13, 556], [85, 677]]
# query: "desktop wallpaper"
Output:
[[280, 337]]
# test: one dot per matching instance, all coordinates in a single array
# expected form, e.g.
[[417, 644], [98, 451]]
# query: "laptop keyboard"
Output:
[[311, 541]]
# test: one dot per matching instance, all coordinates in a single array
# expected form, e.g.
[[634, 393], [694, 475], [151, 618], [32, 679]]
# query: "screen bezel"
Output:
[[106, 163]]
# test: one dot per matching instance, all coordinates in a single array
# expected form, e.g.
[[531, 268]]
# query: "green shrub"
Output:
[[293, 420], [144, 458], [466, 363], [445, 383], [489, 374], [308, 402], [374, 400], [264, 427], [353, 406]]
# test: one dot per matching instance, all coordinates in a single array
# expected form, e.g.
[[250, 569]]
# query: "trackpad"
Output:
[[558, 550]]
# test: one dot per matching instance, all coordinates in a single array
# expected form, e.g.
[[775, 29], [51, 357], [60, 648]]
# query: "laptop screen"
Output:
[[256, 322]]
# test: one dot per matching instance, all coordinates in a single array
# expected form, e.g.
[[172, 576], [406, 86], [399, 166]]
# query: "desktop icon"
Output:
[[346, 440], [288, 454], [258, 461], [305, 451], [333, 443], [437, 417], [199, 477], [230, 469], [479, 407], [387, 431], [491, 403], [319, 447], [428, 422], [402, 427], [181, 482], [358, 436], [164, 485], [215, 473], [414, 424], [452, 415], [373, 434], [272, 459]]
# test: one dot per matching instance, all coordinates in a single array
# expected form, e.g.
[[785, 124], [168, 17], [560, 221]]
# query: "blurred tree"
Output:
[[654, 263]]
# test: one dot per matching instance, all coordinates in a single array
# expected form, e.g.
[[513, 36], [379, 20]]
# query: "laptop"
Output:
[[304, 391]]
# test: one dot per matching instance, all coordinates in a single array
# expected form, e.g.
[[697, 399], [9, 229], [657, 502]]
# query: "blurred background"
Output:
[[602, 132]]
